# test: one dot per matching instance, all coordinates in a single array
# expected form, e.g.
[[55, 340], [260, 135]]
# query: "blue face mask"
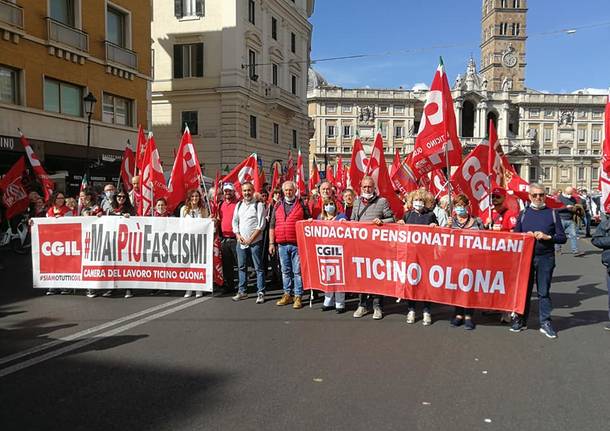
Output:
[[330, 209], [461, 211]]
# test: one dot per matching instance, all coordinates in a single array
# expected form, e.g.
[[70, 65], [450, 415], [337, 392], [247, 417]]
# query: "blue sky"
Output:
[[555, 63]]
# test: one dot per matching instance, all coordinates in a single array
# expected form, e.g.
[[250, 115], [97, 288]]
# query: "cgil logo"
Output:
[[330, 264], [58, 248]]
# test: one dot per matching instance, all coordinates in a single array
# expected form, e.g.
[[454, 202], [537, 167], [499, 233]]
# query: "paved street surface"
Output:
[[168, 363]]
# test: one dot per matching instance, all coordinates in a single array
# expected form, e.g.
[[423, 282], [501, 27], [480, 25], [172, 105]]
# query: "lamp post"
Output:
[[90, 101]]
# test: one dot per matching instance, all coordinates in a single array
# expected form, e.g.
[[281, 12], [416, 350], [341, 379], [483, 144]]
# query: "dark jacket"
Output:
[[546, 221], [425, 218], [565, 213], [601, 239]]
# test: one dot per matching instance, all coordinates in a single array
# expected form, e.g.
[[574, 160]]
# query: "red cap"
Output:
[[498, 191]]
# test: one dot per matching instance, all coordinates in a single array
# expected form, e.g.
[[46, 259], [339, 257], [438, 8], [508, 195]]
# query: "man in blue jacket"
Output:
[[544, 225]]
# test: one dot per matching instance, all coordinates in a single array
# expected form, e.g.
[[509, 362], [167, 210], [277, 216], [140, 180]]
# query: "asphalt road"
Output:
[[168, 363]]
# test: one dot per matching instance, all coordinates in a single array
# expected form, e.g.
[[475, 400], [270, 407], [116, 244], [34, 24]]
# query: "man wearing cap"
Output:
[[502, 218], [228, 249]]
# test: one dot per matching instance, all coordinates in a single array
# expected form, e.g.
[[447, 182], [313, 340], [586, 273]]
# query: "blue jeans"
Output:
[[569, 226], [542, 273], [255, 251], [291, 269]]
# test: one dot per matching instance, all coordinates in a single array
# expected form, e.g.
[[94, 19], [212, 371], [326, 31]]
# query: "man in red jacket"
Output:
[[283, 239]]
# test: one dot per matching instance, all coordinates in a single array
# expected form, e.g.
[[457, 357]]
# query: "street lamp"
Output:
[[90, 101]]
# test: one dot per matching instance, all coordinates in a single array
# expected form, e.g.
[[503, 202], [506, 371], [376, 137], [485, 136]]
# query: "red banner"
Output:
[[466, 268]]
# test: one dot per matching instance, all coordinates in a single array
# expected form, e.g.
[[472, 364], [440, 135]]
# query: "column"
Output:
[[457, 103]]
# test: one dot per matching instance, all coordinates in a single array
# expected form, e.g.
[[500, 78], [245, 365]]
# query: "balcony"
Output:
[[284, 100], [11, 14], [121, 56], [67, 36]]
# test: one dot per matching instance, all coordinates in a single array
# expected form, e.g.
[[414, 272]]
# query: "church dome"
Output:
[[315, 80]]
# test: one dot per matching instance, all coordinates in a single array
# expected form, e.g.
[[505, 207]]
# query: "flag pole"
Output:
[[449, 191]]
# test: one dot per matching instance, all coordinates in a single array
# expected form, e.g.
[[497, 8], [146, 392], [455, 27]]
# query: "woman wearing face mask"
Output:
[[332, 300], [462, 219], [194, 208], [419, 204]]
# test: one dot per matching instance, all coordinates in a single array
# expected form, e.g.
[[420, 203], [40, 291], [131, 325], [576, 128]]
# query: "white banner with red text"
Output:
[[123, 253], [465, 268]]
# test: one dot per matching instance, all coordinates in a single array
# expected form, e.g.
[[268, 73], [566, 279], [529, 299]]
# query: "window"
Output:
[[548, 134], [399, 109], [384, 109], [188, 8], [347, 149], [565, 151], [62, 11], [274, 74], [596, 152], [565, 173], [582, 134], [533, 174], [548, 151], [294, 138], [384, 129], [252, 65], [293, 42], [346, 109], [548, 113], [547, 172], [596, 134], [330, 131], [116, 27], [503, 29], [597, 113], [293, 84], [581, 173], [251, 11], [188, 60], [331, 108], [503, 3], [516, 27], [516, 4], [582, 152], [331, 149], [274, 28], [190, 119], [252, 126], [594, 172], [399, 132], [347, 131], [581, 113], [117, 110], [276, 133], [534, 112], [63, 98], [9, 85]]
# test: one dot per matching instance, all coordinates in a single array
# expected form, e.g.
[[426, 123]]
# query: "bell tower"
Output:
[[503, 36]]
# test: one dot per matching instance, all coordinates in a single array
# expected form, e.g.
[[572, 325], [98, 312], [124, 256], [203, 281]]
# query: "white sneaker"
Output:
[[91, 294], [188, 294], [377, 313], [360, 312], [51, 292], [411, 317], [107, 294], [128, 294], [427, 319], [240, 296], [199, 294], [260, 298]]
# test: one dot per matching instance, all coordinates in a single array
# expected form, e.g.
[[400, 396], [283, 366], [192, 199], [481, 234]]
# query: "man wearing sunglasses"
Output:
[[543, 224]]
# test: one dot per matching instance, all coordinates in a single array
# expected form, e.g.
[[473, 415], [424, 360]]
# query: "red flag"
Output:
[[358, 165], [128, 165], [275, 181], [14, 197], [300, 176], [437, 130], [340, 182], [47, 184], [378, 170], [395, 163], [438, 183], [186, 174], [247, 170], [152, 180], [471, 179], [290, 168], [330, 176], [314, 177], [604, 176], [403, 180], [140, 149]]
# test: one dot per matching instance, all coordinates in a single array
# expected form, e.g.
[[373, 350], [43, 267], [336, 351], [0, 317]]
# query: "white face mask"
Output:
[[539, 206], [289, 200], [418, 205], [367, 196]]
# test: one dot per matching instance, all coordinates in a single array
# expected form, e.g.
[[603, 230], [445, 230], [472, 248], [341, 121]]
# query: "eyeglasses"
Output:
[[537, 195]]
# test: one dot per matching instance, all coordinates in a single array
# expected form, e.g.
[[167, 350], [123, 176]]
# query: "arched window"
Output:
[[468, 119]]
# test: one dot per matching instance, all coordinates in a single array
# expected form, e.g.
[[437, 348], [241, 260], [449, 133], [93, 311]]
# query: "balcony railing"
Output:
[[123, 56], [66, 35], [11, 14]]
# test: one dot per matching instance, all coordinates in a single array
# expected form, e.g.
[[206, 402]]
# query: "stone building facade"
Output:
[[235, 71], [551, 138], [52, 54]]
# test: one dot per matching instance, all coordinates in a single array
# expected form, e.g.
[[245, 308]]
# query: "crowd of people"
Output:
[[259, 230]]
